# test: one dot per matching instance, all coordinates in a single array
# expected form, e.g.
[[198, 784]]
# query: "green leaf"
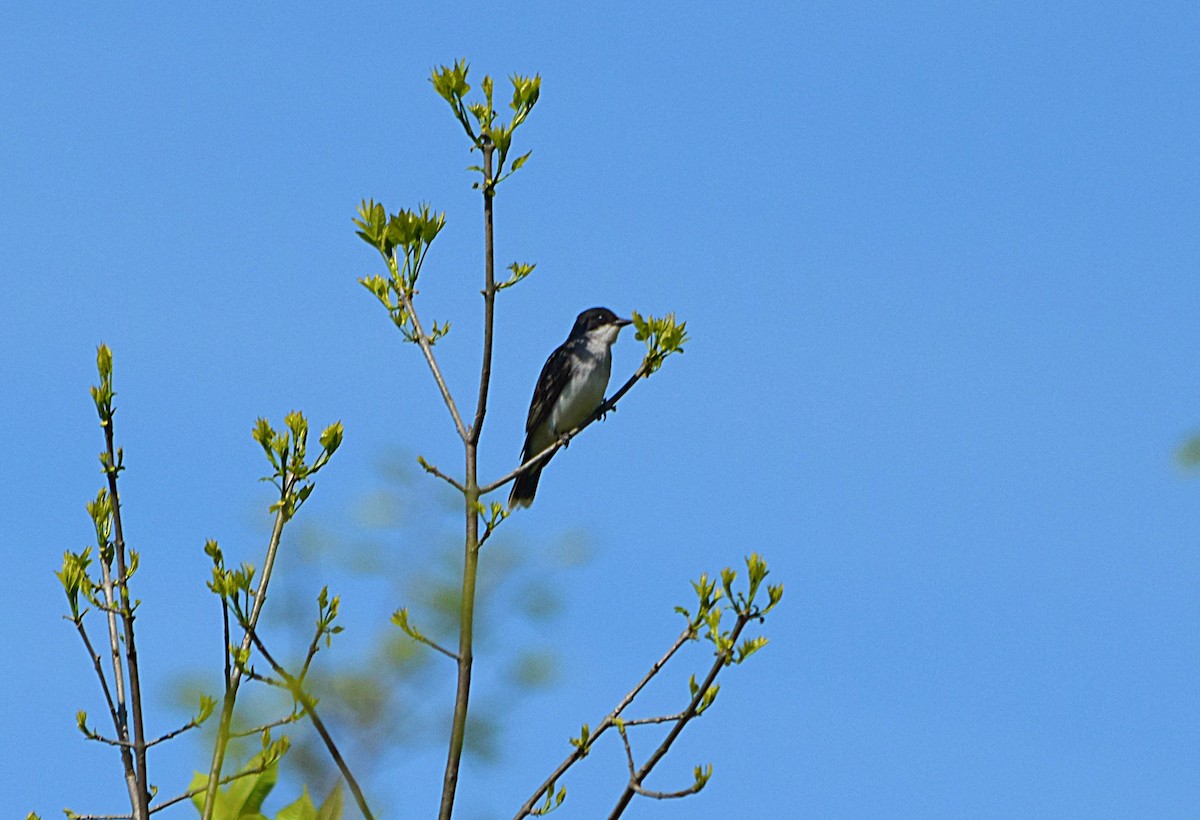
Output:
[[241, 799], [333, 806], [331, 438], [207, 704], [301, 809]]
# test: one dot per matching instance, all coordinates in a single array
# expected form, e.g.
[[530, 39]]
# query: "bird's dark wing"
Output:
[[555, 374]]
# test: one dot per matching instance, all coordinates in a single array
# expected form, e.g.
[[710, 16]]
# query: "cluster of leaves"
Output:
[[715, 600], [745, 606], [287, 450], [451, 84], [75, 574], [411, 232], [519, 271], [663, 336], [102, 394], [248, 789]]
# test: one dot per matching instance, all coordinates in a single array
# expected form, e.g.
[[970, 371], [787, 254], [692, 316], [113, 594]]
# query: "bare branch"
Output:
[[719, 663], [296, 687], [434, 645], [489, 292], [695, 787], [258, 730], [651, 720], [430, 468], [191, 724], [606, 407], [579, 752], [431, 360], [95, 656]]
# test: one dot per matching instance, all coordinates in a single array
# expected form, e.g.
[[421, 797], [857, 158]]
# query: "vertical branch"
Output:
[[141, 803], [121, 713], [489, 290], [471, 494], [235, 675]]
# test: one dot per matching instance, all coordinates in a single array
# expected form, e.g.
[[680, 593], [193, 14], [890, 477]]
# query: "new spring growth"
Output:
[[75, 580], [244, 796], [411, 232], [102, 394], [745, 605], [663, 336], [235, 586], [553, 800], [519, 271], [327, 612], [287, 450], [451, 84]]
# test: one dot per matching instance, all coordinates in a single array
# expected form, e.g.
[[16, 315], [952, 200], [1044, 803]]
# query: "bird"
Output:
[[569, 389]]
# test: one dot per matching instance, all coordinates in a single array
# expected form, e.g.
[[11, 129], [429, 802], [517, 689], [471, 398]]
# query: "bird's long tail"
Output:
[[525, 487]]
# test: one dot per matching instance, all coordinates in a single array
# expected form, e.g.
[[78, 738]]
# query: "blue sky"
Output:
[[939, 266]]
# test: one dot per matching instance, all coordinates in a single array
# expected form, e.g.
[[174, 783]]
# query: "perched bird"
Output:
[[570, 388]]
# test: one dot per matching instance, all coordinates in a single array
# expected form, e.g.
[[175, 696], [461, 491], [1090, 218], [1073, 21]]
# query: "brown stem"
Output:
[[489, 291], [296, 687], [95, 656], [427, 349], [605, 724], [635, 781], [141, 806]]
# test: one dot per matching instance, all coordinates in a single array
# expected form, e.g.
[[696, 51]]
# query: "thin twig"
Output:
[[258, 730], [90, 735], [431, 360], [695, 787], [191, 724], [296, 687], [646, 721], [95, 656], [435, 645], [580, 751], [606, 407], [722, 658], [429, 468], [173, 800], [267, 679], [313, 648]]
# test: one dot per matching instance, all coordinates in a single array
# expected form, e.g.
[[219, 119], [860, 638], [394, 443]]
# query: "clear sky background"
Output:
[[939, 262]]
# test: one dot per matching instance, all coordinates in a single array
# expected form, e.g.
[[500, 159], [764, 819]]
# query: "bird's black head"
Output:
[[597, 317]]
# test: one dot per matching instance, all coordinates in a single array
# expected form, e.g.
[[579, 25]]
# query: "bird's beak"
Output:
[[622, 322]]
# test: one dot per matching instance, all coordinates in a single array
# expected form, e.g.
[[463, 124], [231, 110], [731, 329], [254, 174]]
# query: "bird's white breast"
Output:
[[584, 391]]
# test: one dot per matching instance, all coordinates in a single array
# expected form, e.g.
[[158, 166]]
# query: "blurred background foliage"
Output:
[[382, 693], [1188, 453]]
